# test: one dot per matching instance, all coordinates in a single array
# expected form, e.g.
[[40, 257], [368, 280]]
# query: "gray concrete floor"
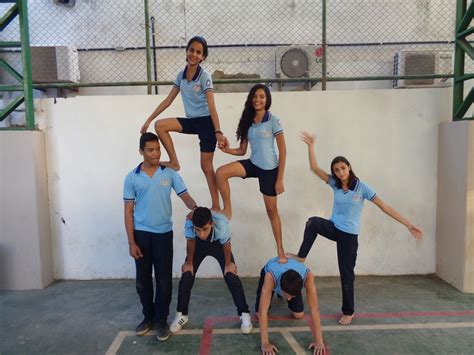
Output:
[[395, 315]]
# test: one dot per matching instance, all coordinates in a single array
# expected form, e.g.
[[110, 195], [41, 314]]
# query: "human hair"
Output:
[[352, 175], [147, 137], [199, 39], [248, 113], [291, 282], [201, 217]]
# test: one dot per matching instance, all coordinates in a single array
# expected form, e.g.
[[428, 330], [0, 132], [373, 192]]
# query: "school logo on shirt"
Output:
[[356, 197], [265, 133], [208, 83], [165, 182], [197, 87]]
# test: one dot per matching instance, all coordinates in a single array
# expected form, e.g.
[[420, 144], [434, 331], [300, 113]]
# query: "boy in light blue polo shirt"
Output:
[[208, 234], [287, 280], [147, 198]]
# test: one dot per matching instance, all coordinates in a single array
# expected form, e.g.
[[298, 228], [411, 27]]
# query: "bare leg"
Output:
[[224, 173], [162, 128], [208, 170], [272, 212]]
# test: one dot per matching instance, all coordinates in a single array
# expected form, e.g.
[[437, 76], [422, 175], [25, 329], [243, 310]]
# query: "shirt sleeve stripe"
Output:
[[182, 192], [212, 89], [372, 198], [128, 199], [277, 133], [226, 242]]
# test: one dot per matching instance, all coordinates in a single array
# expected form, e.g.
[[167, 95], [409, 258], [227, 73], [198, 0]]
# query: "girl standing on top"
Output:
[[195, 85], [261, 129]]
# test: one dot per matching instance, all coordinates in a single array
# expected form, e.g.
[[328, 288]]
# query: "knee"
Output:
[[207, 167], [231, 279], [187, 277], [298, 315], [222, 174], [160, 127], [141, 286]]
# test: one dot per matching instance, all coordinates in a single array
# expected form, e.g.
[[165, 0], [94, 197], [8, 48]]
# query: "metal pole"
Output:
[[26, 61], [155, 74], [148, 54], [458, 86], [324, 44]]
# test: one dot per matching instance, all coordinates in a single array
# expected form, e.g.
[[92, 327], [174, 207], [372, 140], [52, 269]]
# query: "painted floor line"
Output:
[[286, 331]]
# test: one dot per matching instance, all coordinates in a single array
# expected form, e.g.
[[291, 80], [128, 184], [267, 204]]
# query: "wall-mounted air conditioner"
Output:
[[422, 63], [55, 64], [298, 62]]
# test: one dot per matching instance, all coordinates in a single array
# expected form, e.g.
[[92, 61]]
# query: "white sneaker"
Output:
[[179, 321], [245, 323]]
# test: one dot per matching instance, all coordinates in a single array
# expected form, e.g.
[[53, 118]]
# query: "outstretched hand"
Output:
[[318, 348], [307, 137], [269, 349], [144, 127], [415, 232]]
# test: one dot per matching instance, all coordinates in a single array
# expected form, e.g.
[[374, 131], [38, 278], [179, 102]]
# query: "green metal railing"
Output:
[[461, 104], [19, 8], [351, 49]]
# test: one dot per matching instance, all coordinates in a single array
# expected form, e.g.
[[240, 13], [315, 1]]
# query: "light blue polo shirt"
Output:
[[220, 231], [193, 92], [152, 196], [348, 205], [276, 270], [262, 142]]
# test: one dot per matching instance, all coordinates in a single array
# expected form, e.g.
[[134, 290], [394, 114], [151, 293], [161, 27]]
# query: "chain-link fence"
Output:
[[104, 41]]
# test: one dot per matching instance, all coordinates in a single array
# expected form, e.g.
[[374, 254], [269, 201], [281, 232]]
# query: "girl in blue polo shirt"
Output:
[[261, 129], [197, 92], [343, 226]]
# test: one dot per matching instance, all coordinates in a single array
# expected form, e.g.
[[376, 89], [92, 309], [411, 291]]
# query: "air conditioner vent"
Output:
[[422, 63]]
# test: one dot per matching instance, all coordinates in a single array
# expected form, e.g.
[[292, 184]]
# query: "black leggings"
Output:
[[347, 245], [216, 250]]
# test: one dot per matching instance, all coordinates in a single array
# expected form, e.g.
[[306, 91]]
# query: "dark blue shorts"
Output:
[[266, 178], [204, 128]]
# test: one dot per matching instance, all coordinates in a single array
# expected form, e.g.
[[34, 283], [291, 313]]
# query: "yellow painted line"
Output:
[[113, 348], [293, 343]]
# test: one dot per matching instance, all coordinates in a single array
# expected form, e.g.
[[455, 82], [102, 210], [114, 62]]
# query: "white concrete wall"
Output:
[[390, 137], [25, 238]]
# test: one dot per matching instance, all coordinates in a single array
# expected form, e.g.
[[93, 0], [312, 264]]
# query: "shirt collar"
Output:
[[196, 75]]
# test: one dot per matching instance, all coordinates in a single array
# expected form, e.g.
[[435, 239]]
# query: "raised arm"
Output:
[[312, 297], [265, 299], [415, 231], [161, 107], [308, 138]]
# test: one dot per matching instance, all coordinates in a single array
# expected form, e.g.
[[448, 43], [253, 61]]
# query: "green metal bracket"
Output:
[[465, 104], [9, 16], [462, 46], [20, 9], [11, 70], [12, 105]]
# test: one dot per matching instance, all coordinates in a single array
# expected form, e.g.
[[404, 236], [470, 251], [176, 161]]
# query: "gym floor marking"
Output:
[[208, 331]]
